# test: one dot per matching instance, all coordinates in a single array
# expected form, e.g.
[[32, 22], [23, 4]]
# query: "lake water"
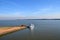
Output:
[[44, 30]]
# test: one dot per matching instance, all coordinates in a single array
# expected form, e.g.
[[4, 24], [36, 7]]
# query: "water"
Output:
[[43, 30]]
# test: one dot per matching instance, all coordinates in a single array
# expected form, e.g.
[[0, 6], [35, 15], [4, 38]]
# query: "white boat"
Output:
[[31, 26]]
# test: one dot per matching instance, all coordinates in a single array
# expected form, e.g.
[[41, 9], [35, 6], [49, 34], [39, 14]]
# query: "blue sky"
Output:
[[29, 9]]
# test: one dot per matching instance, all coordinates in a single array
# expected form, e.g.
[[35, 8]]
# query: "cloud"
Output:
[[41, 11], [49, 12], [11, 15]]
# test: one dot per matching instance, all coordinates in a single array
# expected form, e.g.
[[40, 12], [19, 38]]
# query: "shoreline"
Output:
[[7, 30]]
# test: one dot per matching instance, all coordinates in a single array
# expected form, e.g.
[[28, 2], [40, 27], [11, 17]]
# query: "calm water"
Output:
[[44, 30]]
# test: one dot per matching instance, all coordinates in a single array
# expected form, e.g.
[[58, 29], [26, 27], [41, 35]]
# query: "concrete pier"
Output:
[[7, 30]]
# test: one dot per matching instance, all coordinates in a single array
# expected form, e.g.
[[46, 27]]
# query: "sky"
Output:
[[29, 9]]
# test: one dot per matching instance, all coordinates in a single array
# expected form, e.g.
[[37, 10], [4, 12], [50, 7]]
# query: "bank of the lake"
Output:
[[6, 30]]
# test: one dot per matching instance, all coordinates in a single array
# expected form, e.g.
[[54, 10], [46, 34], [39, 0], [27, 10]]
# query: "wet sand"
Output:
[[5, 30]]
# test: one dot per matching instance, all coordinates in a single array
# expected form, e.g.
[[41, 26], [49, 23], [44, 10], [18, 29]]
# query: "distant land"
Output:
[[29, 19], [39, 19], [45, 19]]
